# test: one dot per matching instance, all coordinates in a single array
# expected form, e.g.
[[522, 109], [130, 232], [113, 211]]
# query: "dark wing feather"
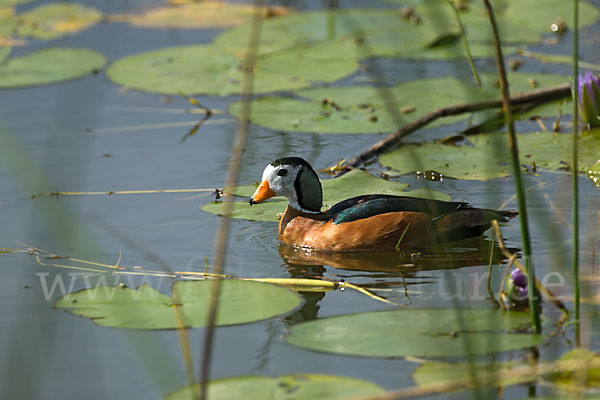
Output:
[[369, 205]]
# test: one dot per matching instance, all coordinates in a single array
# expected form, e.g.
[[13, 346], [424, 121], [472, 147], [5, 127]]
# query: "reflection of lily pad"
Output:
[[361, 33], [146, 308], [367, 109], [594, 174], [486, 156], [50, 65], [211, 70], [208, 14], [352, 184], [56, 19], [420, 333], [300, 387]]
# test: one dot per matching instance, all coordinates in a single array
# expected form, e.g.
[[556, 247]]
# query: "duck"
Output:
[[370, 222]]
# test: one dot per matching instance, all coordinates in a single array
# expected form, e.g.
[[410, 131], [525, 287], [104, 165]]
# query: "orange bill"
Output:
[[263, 193]]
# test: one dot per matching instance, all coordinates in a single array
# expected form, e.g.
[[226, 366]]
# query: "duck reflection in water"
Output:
[[390, 269]]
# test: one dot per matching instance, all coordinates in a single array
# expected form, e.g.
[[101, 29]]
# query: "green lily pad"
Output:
[[56, 19], [577, 361], [49, 65], [496, 374], [211, 70], [354, 183], [489, 160], [594, 173], [4, 3], [299, 386], [419, 332], [193, 15], [360, 109], [7, 24], [519, 21], [4, 52], [146, 308], [486, 156], [367, 109], [361, 33]]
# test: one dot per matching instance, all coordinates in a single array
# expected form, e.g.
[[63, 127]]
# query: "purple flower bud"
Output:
[[588, 95], [516, 289], [518, 278]]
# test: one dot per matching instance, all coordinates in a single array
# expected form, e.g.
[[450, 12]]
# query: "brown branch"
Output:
[[538, 96]]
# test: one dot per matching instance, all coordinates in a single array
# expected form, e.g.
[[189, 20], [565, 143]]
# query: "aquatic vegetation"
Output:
[[516, 293], [588, 95]]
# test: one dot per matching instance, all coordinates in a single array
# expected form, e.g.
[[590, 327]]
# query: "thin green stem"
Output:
[[463, 38], [514, 152], [575, 167], [237, 151]]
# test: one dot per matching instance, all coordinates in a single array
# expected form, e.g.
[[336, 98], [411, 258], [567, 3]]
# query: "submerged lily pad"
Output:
[[299, 386], [594, 174], [486, 156], [50, 65], [146, 308], [368, 109], [208, 14], [211, 70], [352, 184], [419, 332], [56, 19]]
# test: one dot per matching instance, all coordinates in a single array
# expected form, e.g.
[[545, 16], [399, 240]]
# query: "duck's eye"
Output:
[[282, 172]]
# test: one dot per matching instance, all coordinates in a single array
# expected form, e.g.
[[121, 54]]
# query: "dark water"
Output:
[[60, 136]]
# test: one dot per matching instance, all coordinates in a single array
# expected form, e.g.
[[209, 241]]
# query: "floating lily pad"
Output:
[[300, 386], [594, 174], [189, 15], [352, 184], [7, 24], [577, 367], [4, 3], [420, 333], [519, 21], [56, 19], [496, 374], [211, 70], [361, 33], [368, 109], [486, 156], [146, 308], [50, 65]]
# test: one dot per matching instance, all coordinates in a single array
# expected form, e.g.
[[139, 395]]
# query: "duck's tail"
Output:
[[469, 222]]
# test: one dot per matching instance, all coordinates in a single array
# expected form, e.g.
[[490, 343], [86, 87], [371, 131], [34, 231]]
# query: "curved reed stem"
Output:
[[514, 152]]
